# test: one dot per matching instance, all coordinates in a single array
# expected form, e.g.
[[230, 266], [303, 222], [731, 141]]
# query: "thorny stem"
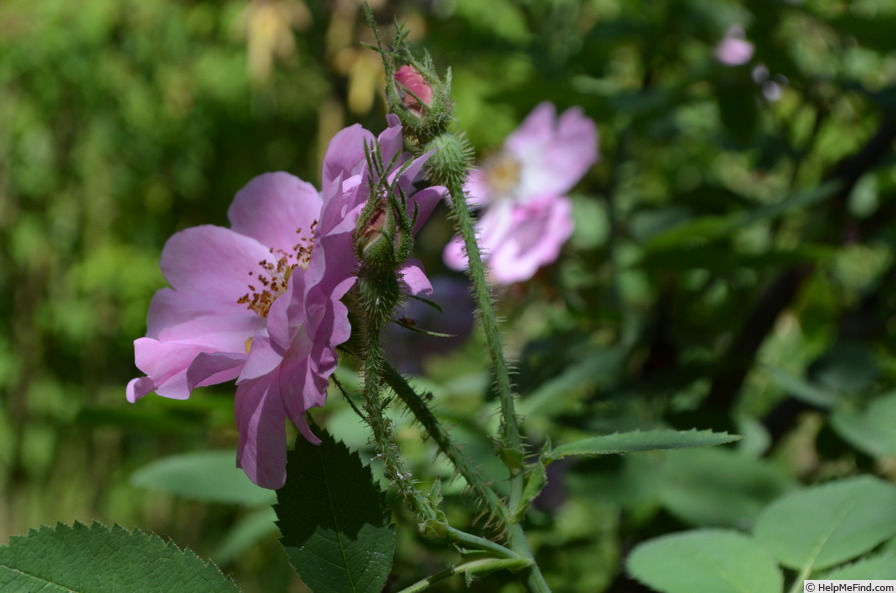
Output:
[[512, 455], [514, 531], [465, 467]]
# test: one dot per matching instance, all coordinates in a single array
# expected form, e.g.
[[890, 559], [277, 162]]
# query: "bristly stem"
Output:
[[512, 455], [483, 493], [376, 310]]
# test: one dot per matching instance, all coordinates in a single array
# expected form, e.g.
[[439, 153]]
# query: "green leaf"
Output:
[[636, 441], [708, 228], [878, 568], [210, 476], [705, 560], [709, 257], [719, 487], [872, 430], [820, 527], [802, 389], [334, 519], [97, 559], [245, 534]]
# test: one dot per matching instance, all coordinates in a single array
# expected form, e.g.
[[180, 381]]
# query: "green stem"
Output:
[[473, 567], [378, 299], [532, 576], [512, 455], [468, 539], [514, 531], [416, 404]]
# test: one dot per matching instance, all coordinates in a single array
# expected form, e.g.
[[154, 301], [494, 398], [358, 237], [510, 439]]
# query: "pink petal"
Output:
[[209, 268], [295, 380], [555, 164], [225, 333], [455, 255], [390, 140], [211, 368], [166, 365], [345, 154], [167, 358], [477, 188], [276, 209], [535, 240], [264, 357], [535, 131], [139, 387], [262, 444], [413, 276], [424, 202]]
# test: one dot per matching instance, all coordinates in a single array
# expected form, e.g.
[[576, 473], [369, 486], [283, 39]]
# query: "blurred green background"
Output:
[[732, 265]]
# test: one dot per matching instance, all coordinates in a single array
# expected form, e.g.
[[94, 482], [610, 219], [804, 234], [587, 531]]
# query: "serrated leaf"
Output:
[[825, 525], [97, 559], [209, 476], [334, 519], [636, 441], [714, 560], [878, 568]]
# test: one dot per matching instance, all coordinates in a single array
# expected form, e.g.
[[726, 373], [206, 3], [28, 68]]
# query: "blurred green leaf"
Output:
[[210, 476], [246, 533], [710, 257], [872, 430], [705, 560], [802, 389], [716, 227], [848, 367], [636, 441], [825, 525], [873, 32], [719, 487]]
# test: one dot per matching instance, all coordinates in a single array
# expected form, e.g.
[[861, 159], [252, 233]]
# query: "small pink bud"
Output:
[[420, 95]]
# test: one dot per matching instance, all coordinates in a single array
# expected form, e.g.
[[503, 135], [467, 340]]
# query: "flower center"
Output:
[[502, 172], [268, 283]]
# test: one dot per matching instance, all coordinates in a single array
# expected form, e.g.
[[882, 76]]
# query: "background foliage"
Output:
[[732, 266]]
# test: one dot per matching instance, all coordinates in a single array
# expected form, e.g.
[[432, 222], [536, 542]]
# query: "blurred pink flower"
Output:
[[734, 49], [260, 302], [526, 216]]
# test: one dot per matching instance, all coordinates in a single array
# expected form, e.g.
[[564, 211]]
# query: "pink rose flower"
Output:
[[260, 302], [525, 215]]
